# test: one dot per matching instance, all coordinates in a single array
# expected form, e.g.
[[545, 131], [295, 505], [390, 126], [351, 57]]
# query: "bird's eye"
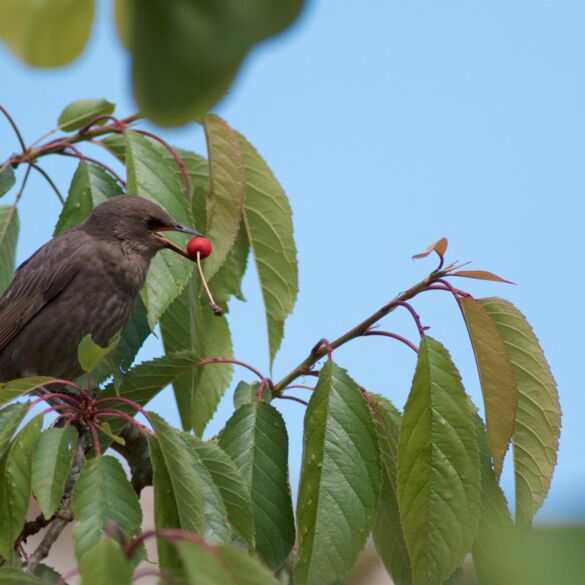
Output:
[[152, 223]]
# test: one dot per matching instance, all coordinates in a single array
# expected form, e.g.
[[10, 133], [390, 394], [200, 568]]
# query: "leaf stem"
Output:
[[49, 180], [14, 127]]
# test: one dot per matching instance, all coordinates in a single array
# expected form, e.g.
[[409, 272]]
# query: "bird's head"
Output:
[[136, 223]]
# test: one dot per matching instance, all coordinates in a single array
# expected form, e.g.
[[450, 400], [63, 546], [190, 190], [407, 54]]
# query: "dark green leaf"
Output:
[[8, 236], [439, 486], [538, 415], [90, 354], [256, 440], [11, 576], [340, 479], [51, 466], [103, 496], [15, 388], [268, 221], [116, 144], [10, 417], [7, 180], [48, 575], [82, 112], [248, 394], [46, 34], [105, 564]]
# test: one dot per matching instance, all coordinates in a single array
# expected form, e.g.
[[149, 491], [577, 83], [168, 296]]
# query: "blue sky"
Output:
[[390, 124]]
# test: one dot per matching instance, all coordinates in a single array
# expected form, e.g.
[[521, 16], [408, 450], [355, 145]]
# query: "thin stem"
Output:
[[95, 439], [414, 314], [299, 386], [14, 127], [294, 398], [115, 413], [97, 162], [222, 360], [128, 402], [393, 336], [49, 180], [217, 310], [23, 185], [63, 578]]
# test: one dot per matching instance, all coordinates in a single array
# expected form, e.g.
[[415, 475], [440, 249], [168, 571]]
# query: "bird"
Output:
[[83, 281]]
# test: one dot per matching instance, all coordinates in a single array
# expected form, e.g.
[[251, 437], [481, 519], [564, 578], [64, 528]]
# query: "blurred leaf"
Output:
[[387, 532], [48, 575], [81, 112], [440, 247], [480, 275], [7, 180], [10, 417], [15, 487], [150, 176], [90, 186], [186, 53], [12, 576], [105, 564], [438, 468], [15, 388], [340, 479], [51, 465], [46, 34], [268, 221], [103, 496], [256, 440], [498, 384], [90, 354], [8, 236], [106, 429], [538, 415]]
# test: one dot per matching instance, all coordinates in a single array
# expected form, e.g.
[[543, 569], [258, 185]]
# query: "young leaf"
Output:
[[116, 145], [81, 112], [268, 221], [440, 247], [538, 415], [387, 532], [340, 479], [13, 576], [106, 564], [247, 394], [498, 384], [15, 388], [10, 417], [90, 354], [7, 180], [438, 468], [51, 465], [103, 496], [15, 488], [150, 175], [256, 440], [46, 34], [480, 275], [8, 237]]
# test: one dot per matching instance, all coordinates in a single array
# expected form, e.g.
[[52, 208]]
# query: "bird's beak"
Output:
[[171, 245]]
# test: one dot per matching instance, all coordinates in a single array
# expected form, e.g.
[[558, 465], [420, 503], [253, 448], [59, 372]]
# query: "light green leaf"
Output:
[[90, 186], [105, 564], [116, 145], [15, 488], [340, 479], [81, 112], [15, 388], [256, 440], [51, 465], [8, 236], [387, 531], [106, 429], [438, 468], [10, 417], [90, 354], [7, 180], [248, 394], [538, 415], [150, 176], [46, 33], [268, 221], [12, 576], [102, 496]]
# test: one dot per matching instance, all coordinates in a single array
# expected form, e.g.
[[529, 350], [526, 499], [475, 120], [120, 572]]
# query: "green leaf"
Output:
[[48, 575], [438, 468], [247, 394], [268, 221], [185, 54], [90, 354], [340, 479], [51, 465], [10, 417], [7, 180], [538, 415], [81, 112], [15, 488], [150, 176], [46, 34], [226, 189], [11, 576], [103, 496], [90, 186], [105, 564], [387, 531], [8, 236], [496, 375], [15, 388], [116, 145], [189, 324], [256, 440]]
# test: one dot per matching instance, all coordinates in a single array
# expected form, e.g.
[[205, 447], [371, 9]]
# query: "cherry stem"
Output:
[[170, 534], [85, 159], [63, 578], [455, 291], [393, 336], [128, 402], [294, 398], [65, 397], [414, 314], [217, 310], [299, 386], [115, 413]]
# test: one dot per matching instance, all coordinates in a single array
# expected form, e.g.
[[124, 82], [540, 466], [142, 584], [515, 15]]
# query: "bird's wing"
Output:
[[36, 282]]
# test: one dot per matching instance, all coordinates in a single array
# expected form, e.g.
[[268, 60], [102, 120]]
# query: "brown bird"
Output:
[[84, 281]]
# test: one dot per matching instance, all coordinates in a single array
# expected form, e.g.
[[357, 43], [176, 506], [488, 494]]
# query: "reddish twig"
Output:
[[299, 386], [49, 180], [393, 336], [222, 360], [294, 398]]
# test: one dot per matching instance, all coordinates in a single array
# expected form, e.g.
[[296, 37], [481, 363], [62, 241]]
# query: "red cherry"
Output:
[[198, 244]]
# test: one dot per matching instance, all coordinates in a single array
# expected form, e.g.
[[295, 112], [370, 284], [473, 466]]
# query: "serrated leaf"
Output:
[[51, 465], [81, 112], [480, 275], [103, 496], [438, 468], [10, 417], [7, 180], [90, 186], [105, 564], [498, 384], [15, 488], [340, 479], [90, 354], [256, 440], [440, 247], [387, 531], [46, 34], [150, 176], [248, 394], [538, 415], [48, 575], [12, 576], [189, 324], [9, 225], [15, 388], [268, 221]]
